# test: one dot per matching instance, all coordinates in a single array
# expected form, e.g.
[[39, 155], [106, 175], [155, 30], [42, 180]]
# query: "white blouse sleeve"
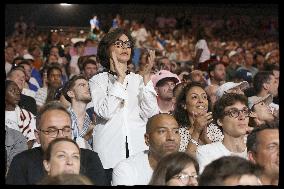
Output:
[[106, 99]]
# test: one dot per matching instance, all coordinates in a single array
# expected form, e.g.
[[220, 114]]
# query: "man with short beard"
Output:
[[54, 81], [164, 82], [217, 73], [77, 92]]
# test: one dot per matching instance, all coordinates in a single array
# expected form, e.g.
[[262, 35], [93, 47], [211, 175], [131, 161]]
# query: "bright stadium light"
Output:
[[65, 4]]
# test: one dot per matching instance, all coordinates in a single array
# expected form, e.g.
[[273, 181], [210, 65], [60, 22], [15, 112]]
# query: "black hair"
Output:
[[103, 53], [260, 78]]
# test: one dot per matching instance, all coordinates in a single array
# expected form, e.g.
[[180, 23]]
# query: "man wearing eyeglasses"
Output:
[[53, 121], [232, 115]]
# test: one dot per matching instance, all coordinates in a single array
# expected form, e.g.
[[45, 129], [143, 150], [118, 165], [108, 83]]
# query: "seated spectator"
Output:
[[197, 76], [232, 116], [163, 138], [263, 150], [265, 83], [193, 116], [62, 156], [176, 169], [77, 92], [230, 171], [66, 179], [90, 68], [261, 112], [164, 82], [54, 81], [52, 119], [217, 73], [248, 65], [211, 93], [15, 142], [17, 74], [17, 118]]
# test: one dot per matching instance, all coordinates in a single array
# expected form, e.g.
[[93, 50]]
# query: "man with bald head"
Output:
[[162, 137]]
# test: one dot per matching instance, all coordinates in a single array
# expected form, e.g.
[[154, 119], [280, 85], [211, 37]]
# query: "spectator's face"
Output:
[[249, 59], [81, 91], [198, 76], [54, 51], [196, 101], [267, 153], [163, 137], [165, 64], [234, 126], [54, 37], [259, 59], [28, 71], [9, 54], [53, 119], [52, 58], [122, 50], [263, 112], [19, 78], [12, 94], [184, 178], [90, 70], [64, 159], [54, 78], [246, 179], [273, 86], [211, 92], [219, 72], [165, 91]]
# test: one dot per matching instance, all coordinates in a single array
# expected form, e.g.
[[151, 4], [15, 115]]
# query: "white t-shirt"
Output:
[[135, 170], [205, 154], [205, 55]]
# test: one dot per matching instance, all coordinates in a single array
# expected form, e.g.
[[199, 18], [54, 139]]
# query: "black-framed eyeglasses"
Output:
[[120, 44], [53, 132], [235, 113]]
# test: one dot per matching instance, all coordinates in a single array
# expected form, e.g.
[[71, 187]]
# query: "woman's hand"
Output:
[[118, 67], [201, 120]]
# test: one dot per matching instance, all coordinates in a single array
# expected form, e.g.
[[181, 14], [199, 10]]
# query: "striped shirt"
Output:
[[75, 129]]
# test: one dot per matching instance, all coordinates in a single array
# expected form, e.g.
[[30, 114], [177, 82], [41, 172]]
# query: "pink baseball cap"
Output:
[[162, 74]]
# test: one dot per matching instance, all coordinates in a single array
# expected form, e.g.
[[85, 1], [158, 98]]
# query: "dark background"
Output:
[[79, 14]]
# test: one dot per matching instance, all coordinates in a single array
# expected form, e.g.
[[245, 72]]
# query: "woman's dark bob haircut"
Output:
[[104, 45]]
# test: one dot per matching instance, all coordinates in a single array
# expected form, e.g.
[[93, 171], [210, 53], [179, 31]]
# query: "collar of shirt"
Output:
[[86, 124]]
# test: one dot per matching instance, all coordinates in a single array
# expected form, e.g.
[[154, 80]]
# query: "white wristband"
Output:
[[194, 142]]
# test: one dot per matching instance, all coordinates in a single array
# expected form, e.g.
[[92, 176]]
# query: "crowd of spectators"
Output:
[[170, 100]]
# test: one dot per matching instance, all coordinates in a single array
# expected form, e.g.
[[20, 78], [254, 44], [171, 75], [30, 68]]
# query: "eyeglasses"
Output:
[[184, 178], [52, 132], [120, 44], [235, 113]]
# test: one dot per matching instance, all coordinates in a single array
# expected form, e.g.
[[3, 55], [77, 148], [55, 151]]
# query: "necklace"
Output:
[[113, 73]]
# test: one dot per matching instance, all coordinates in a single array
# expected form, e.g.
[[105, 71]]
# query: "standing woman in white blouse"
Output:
[[122, 100]]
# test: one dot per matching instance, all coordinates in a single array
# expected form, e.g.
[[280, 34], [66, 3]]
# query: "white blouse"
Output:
[[123, 111]]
